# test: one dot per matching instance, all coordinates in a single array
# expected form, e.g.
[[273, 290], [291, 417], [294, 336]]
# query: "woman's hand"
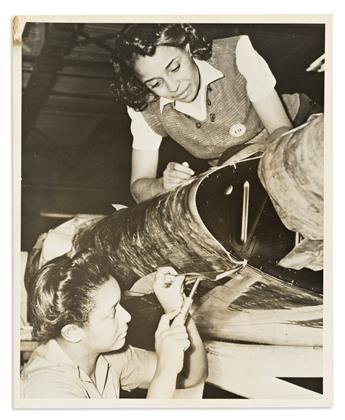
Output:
[[170, 344], [176, 174], [168, 287]]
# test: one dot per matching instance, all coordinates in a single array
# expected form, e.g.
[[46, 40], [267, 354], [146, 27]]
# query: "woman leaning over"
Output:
[[207, 96]]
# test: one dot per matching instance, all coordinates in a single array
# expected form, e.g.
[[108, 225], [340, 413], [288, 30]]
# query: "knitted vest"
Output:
[[228, 106]]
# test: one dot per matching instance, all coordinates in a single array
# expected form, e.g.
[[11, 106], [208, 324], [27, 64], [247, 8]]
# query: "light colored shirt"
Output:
[[50, 373], [260, 83]]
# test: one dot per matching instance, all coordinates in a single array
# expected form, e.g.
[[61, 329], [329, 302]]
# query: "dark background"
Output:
[[76, 142]]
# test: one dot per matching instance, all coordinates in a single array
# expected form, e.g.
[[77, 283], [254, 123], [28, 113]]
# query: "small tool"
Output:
[[189, 300], [207, 275]]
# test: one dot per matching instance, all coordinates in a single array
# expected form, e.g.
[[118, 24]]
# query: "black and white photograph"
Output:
[[173, 211]]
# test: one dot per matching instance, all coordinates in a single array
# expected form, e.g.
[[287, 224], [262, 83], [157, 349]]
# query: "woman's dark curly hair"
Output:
[[142, 40], [63, 293]]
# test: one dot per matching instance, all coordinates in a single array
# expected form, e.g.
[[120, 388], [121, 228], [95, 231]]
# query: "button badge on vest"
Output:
[[237, 130]]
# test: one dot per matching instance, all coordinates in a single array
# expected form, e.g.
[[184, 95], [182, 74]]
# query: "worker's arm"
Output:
[[156, 370], [145, 185], [260, 83], [272, 113], [170, 344], [276, 121], [195, 368], [168, 287]]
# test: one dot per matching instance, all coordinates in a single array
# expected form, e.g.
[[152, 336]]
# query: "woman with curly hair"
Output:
[[207, 96]]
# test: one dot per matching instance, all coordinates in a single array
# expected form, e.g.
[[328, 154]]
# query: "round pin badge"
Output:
[[237, 130]]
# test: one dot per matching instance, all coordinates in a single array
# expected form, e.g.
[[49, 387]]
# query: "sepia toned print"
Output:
[[173, 229]]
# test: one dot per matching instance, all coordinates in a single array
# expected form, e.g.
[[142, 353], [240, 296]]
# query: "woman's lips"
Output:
[[183, 94]]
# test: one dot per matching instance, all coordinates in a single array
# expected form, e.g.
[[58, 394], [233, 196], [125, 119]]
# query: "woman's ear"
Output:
[[72, 333], [187, 47]]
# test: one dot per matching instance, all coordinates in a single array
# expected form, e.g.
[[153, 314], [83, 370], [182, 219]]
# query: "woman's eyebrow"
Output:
[[150, 80], [170, 63], [109, 310], [166, 68]]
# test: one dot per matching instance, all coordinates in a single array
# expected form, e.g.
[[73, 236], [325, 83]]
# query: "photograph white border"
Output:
[[22, 7], [326, 399]]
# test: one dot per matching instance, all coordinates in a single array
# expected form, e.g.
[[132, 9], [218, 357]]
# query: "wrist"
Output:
[[161, 186], [281, 130], [171, 309], [166, 370], [162, 386]]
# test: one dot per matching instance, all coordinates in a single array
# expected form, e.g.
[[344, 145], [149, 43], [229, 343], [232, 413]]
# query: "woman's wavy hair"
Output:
[[142, 40], [63, 293]]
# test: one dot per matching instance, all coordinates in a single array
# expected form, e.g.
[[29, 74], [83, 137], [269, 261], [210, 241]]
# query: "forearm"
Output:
[[195, 370], [272, 113], [145, 188], [163, 384]]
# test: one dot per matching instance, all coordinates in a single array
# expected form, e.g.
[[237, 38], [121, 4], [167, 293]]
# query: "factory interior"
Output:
[[76, 139]]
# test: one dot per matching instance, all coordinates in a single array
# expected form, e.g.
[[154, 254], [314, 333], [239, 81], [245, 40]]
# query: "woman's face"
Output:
[[108, 320], [170, 73]]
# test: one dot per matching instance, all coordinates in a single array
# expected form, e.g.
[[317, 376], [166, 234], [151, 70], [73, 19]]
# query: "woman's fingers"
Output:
[[164, 328], [164, 276], [178, 320], [168, 287], [176, 174], [179, 335], [181, 168], [163, 271]]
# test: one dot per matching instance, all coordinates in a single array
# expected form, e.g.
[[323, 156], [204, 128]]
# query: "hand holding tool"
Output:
[[187, 303]]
